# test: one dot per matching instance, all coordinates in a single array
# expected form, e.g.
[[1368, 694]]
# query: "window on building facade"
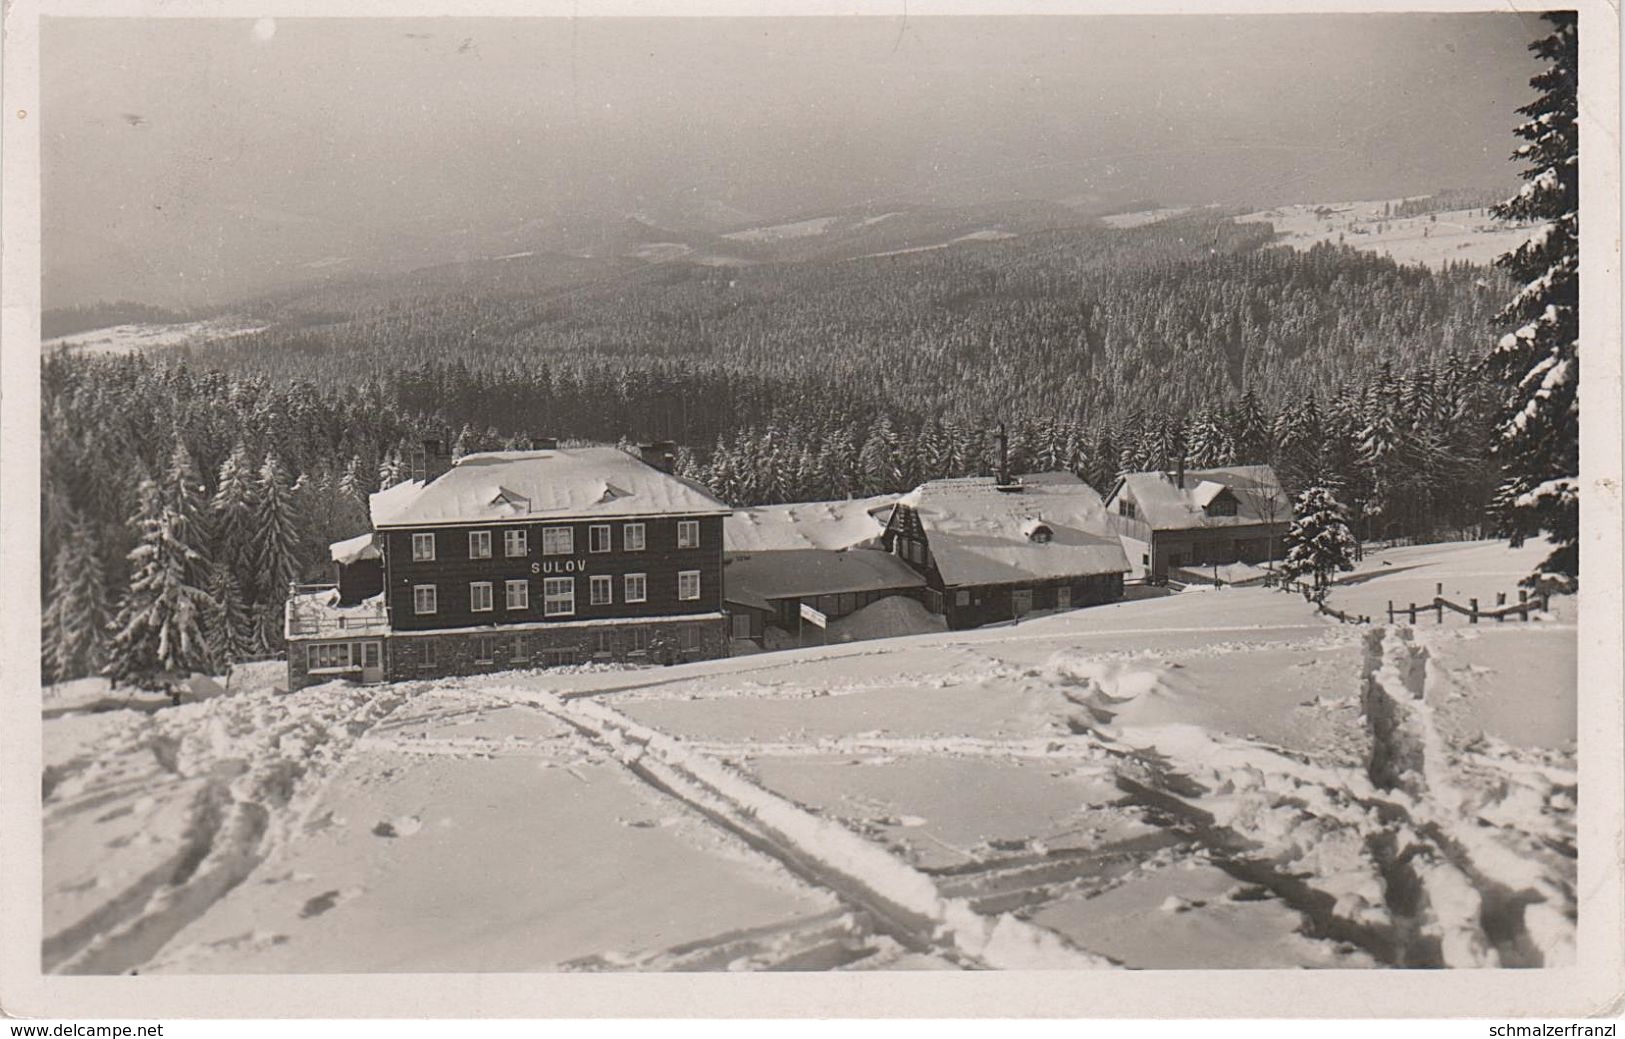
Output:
[[690, 637], [688, 533], [1125, 508], [603, 642], [639, 639], [422, 548], [424, 598], [632, 537], [688, 585], [518, 594], [558, 596], [426, 658], [741, 623], [962, 598], [485, 649], [515, 543], [479, 544], [637, 588], [558, 541], [601, 590], [329, 656], [521, 650], [598, 538], [479, 596]]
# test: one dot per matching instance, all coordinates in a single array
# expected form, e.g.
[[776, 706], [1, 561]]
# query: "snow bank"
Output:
[[886, 618]]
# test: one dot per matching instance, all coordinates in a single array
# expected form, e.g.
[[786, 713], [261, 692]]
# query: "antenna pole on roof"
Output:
[[1004, 457]]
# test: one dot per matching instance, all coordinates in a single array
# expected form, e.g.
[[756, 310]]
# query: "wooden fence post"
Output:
[[1413, 614], [1390, 611], [1523, 604], [1438, 608], [1472, 618], [1500, 601]]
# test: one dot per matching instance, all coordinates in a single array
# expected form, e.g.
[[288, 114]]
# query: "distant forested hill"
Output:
[[1084, 326], [1102, 350]]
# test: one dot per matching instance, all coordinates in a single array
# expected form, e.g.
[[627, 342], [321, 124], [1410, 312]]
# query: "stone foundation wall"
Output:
[[673, 641]]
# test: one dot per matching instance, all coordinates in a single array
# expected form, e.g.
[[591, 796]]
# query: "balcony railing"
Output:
[[313, 611]]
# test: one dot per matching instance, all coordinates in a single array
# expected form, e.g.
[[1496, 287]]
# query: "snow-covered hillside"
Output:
[[126, 339], [1434, 239], [1181, 781]]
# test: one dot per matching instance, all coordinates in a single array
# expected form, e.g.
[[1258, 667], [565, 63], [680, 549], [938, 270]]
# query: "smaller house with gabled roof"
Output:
[[1185, 519], [993, 549]]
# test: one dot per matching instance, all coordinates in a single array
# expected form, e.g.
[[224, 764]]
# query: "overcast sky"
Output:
[[189, 160]]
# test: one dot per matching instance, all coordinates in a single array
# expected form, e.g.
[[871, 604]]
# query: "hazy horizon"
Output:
[[190, 162]]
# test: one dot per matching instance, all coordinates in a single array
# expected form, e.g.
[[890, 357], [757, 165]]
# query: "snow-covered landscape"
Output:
[[1212, 778]]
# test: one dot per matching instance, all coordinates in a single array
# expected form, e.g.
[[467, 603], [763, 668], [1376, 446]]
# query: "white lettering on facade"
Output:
[[566, 566]]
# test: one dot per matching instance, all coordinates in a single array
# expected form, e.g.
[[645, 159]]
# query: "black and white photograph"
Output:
[[538, 495]]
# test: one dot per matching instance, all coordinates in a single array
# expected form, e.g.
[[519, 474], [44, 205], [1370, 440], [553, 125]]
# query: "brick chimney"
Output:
[[430, 460], [1002, 480], [661, 454]]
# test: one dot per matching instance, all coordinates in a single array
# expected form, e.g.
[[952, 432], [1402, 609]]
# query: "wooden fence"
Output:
[[1319, 601], [1472, 611]]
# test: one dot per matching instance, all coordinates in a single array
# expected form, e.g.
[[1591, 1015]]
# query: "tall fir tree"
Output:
[[1318, 543], [76, 615], [157, 634], [277, 536], [1537, 363]]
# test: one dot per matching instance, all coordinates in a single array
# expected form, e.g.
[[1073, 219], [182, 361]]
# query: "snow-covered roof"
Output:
[[755, 578], [1162, 504], [982, 535], [831, 525], [353, 550], [513, 486]]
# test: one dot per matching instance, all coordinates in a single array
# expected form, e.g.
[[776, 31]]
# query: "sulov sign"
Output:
[[559, 566]]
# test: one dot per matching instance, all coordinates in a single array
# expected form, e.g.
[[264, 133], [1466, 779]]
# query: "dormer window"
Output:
[[1126, 508], [1223, 505], [1038, 532]]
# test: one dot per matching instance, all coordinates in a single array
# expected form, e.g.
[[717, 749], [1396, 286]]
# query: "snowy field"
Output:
[[1470, 236], [128, 339], [1170, 782]]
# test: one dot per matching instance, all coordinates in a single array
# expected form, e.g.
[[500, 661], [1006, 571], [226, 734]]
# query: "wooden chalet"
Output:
[[1187, 519], [995, 549], [512, 559]]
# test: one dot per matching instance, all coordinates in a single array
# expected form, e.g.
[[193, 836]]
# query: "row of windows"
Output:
[[557, 541], [558, 593], [517, 649]]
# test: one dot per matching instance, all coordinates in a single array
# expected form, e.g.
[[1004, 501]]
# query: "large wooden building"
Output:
[[514, 559], [994, 549], [1183, 520]]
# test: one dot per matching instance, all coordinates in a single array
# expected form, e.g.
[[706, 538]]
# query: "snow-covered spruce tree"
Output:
[[1537, 363], [157, 633], [277, 536], [76, 615], [228, 627], [1319, 542]]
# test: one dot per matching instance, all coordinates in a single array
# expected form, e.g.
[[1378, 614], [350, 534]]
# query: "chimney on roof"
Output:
[[661, 454], [430, 460], [1003, 480]]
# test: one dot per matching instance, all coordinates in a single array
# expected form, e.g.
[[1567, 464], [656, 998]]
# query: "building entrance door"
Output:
[[372, 662], [1021, 601]]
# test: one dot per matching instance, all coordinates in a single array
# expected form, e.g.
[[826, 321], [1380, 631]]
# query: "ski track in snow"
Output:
[[1383, 837]]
